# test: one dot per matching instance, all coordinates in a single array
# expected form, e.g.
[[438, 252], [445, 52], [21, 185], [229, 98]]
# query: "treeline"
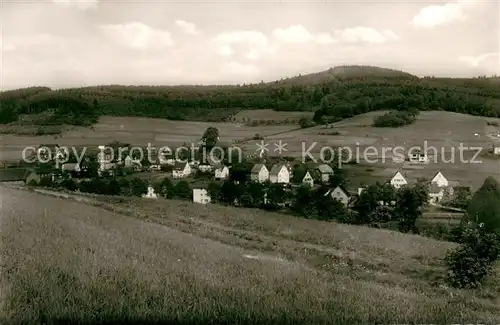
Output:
[[341, 97]]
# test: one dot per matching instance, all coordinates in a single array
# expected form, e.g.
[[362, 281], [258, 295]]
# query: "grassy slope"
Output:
[[68, 261]]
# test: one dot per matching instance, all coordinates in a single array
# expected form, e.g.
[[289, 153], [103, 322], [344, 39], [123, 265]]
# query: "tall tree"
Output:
[[210, 137], [182, 190], [409, 203], [485, 205]]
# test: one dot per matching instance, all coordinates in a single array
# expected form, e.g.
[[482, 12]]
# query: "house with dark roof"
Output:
[[279, 174], [325, 172], [259, 173], [181, 169], [341, 194]]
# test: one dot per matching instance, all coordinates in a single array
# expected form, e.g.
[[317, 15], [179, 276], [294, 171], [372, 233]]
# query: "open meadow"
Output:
[[270, 115], [136, 131], [444, 131], [143, 262]]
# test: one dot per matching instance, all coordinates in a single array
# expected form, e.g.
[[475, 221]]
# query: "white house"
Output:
[[418, 156], [205, 168], [222, 172], [259, 173], [308, 179], [279, 174], [340, 194], [181, 170], [201, 196], [436, 193], [128, 161], [440, 180], [496, 149], [150, 194], [398, 180], [325, 172]]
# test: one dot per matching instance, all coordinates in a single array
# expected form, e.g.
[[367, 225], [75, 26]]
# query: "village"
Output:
[[205, 178]]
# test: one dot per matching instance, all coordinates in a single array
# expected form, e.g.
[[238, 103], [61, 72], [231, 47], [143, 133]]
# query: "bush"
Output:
[[469, 264], [395, 119]]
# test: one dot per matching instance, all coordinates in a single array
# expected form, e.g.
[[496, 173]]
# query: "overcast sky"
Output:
[[78, 43]]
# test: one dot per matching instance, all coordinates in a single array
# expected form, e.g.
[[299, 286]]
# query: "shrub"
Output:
[[469, 264], [395, 119]]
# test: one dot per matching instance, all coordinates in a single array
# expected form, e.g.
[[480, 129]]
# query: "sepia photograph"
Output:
[[249, 162]]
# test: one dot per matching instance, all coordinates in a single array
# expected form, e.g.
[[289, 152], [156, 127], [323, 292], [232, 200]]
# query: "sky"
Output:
[[72, 43]]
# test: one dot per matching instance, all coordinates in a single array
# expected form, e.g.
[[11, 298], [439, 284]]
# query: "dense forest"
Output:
[[339, 92]]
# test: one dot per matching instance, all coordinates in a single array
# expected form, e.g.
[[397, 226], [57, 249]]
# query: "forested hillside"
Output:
[[338, 93]]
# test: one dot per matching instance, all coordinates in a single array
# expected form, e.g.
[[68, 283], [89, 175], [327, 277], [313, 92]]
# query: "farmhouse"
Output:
[[222, 173], [200, 195], [436, 193], [150, 194], [439, 180], [325, 172], [259, 173], [398, 180], [308, 179], [181, 170], [448, 186], [340, 194], [279, 174]]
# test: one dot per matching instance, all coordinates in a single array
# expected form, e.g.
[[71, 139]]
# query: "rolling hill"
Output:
[[338, 92], [171, 262]]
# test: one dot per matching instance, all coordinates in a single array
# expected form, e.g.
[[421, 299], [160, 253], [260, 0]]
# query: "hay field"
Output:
[[444, 131], [78, 264], [269, 115], [136, 131]]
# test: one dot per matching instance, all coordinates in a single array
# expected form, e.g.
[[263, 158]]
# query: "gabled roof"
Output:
[[325, 169], [276, 169], [342, 188], [257, 167], [396, 174]]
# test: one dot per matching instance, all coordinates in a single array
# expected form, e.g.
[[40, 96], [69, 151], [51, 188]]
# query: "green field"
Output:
[[190, 264], [269, 115]]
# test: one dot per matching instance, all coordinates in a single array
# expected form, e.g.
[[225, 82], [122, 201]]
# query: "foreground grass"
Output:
[[67, 262]]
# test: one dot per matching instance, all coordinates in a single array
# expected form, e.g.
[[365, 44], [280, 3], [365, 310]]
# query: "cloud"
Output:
[[325, 38], [254, 43], [78, 4], [136, 35], [297, 34], [225, 50], [365, 34], [187, 27], [435, 15], [477, 60], [293, 34], [241, 69]]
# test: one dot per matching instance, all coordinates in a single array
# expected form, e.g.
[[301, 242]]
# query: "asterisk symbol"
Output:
[[262, 146], [280, 147]]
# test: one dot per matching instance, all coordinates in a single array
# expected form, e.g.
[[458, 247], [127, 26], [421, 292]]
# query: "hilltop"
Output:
[[339, 92]]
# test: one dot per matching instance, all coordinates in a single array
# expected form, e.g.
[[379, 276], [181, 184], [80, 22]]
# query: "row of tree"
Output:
[[341, 97]]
